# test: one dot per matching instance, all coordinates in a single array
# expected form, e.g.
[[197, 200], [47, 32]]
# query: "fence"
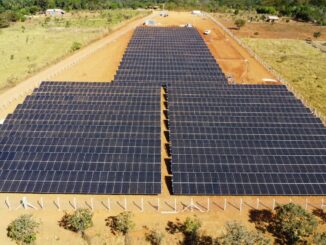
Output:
[[167, 205], [268, 68]]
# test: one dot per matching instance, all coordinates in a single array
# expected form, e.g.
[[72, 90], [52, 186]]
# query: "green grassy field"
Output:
[[34, 44], [301, 64]]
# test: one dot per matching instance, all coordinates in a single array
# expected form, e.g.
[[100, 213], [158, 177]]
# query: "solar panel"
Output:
[[104, 138]]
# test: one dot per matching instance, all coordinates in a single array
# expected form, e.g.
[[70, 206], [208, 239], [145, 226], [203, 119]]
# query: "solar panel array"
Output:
[[105, 138], [96, 138]]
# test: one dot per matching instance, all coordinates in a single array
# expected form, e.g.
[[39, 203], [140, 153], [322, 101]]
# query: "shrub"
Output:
[[266, 10], [190, 229], [256, 33], [240, 23], [79, 221], [155, 237], [317, 34], [75, 46], [121, 223], [294, 223], [23, 229], [236, 233], [4, 23]]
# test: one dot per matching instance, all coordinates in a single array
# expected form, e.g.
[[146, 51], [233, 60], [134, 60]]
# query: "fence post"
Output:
[[273, 204], [142, 204], [241, 204], [224, 204], [8, 203]]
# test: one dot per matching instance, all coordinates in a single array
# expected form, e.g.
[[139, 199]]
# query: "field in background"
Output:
[[255, 27], [302, 65], [30, 46]]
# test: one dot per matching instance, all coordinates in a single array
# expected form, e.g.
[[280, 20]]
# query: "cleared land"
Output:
[[40, 41], [278, 30]]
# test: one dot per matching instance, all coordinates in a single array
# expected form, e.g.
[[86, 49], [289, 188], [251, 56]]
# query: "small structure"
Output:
[[272, 18], [164, 14], [196, 12], [55, 12], [207, 32], [188, 25], [149, 23]]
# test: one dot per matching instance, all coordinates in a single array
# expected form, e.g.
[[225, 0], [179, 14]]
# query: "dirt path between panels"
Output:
[[101, 58]]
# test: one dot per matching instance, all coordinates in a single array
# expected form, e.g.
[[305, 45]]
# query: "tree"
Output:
[[190, 229], [79, 221], [121, 223], [155, 237], [294, 223], [317, 34], [236, 233], [240, 23], [23, 229]]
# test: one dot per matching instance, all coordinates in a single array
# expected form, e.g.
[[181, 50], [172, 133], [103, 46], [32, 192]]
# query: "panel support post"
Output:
[[257, 206], [126, 207], [208, 205], [306, 204], [158, 204]]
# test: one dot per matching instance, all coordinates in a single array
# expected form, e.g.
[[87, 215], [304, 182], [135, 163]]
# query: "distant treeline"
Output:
[[304, 10]]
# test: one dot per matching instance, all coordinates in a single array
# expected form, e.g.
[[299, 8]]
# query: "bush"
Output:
[[154, 237], [23, 229], [236, 233], [266, 10], [293, 223], [75, 46], [240, 23], [121, 223], [79, 221], [190, 229], [4, 23], [317, 34]]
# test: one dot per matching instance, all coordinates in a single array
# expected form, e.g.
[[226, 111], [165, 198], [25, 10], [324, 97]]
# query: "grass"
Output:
[[38, 42], [301, 64]]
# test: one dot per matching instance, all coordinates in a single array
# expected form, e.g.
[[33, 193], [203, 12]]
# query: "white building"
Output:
[[55, 12], [272, 18], [196, 12]]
